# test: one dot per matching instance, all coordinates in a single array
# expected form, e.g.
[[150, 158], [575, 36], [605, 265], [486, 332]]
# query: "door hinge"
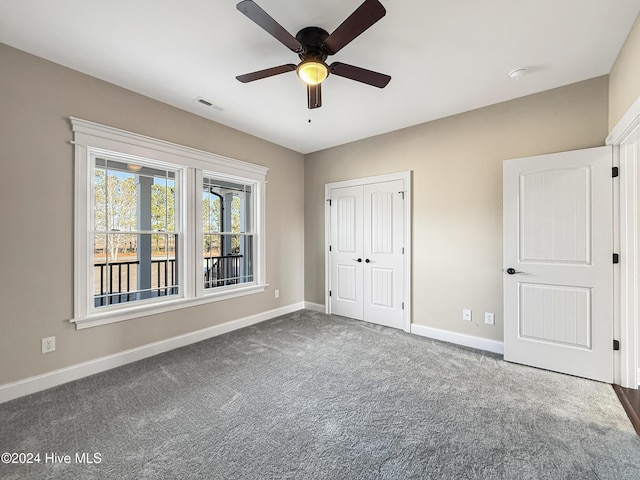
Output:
[[329, 247], [402, 305], [402, 193], [329, 292], [615, 172], [616, 344], [616, 258], [329, 200], [403, 250]]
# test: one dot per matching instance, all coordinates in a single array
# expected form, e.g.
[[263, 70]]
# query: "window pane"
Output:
[[211, 245], [230, 263], [133, 197], [100, 270], [163, 201], [227, 206], [115, 269], [163, 264], [134, 267], [100, 199], [212, 262], [115, 194], [237, 218], [130, 264], [211, 211]]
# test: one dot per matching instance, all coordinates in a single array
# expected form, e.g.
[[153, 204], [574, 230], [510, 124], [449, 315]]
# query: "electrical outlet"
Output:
[[466, 314], [48, 344], [489, 318], [277, 293]]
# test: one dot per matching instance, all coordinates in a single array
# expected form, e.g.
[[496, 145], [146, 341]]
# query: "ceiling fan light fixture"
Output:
[[312, 72]]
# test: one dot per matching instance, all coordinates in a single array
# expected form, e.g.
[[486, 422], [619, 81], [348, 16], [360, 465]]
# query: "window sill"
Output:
[[137, 311]]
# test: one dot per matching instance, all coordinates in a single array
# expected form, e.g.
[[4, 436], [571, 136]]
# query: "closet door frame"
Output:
[[405, 177]]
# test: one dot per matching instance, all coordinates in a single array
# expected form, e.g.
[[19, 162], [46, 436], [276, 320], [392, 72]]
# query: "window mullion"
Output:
[[195, 248]]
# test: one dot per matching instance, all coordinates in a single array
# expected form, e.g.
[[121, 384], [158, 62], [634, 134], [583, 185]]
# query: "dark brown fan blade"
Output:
[[365, 15], [358, 74], [269, 72], [314, 96], [264, 20]]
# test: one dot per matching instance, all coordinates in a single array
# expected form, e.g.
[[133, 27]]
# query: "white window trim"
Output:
[[92, 138], [185, 282], [257, 228]]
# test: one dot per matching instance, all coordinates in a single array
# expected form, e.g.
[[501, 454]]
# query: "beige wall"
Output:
[[36, 213], [624, 79], [457, 194]]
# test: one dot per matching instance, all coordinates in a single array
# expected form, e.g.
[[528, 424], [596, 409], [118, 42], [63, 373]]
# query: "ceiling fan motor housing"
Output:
[[312, 39]]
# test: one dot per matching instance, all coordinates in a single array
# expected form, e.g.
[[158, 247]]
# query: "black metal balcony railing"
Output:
[[220, 271], [117, 282]]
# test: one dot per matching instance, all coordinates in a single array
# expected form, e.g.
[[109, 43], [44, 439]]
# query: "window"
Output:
[[227, 233], [134, 232], [148, 238]]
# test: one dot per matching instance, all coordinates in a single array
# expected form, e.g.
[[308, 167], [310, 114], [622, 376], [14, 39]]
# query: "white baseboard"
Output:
[[459, 338], [316, 307], [638, 377], [9, 391]]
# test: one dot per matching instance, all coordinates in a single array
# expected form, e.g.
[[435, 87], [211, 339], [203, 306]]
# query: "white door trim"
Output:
[[625, 138], [625, 127], [405, 177]]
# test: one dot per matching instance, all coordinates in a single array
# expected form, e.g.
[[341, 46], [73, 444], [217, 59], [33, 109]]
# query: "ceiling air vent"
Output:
[[207, 103]]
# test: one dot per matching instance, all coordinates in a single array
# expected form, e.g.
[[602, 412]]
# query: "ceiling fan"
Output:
[[314, 44]]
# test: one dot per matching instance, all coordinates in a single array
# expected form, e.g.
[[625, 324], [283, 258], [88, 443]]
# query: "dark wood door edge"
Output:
[[627, 397]]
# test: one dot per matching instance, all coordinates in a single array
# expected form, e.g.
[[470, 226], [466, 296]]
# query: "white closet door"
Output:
[[383, 253], [347, 252], [367, 248]]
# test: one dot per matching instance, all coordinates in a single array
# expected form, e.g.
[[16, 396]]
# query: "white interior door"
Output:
[[366, 252], [558, 281], [383, 251], [347, 252]]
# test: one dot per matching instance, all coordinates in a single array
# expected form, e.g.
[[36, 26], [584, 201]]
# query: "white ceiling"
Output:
[[444, 57]]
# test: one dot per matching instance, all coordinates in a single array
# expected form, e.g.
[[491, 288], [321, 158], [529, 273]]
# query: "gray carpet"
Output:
[[309, 396]]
